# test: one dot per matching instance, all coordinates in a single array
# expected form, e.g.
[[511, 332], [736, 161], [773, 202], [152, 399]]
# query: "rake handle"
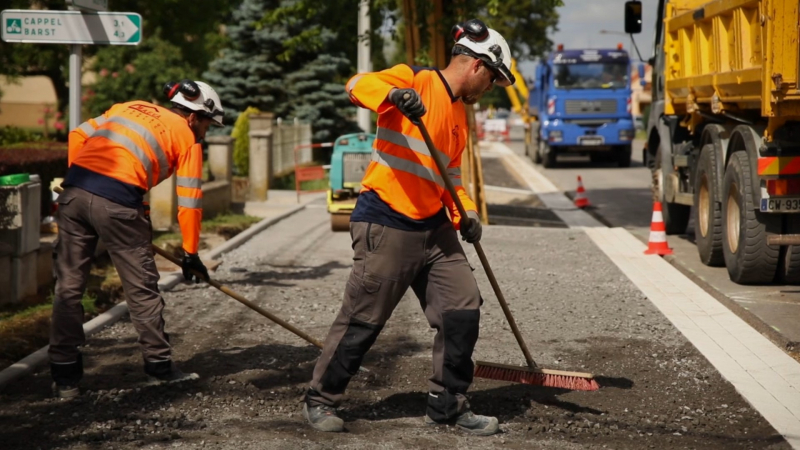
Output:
[[478, 248], [243, 300]]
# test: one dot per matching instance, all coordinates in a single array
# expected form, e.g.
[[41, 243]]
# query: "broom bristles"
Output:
[[549, 378]]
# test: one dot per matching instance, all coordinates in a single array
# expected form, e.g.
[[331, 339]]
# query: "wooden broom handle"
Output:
[[243, 300], [233, 294], [478, 248]]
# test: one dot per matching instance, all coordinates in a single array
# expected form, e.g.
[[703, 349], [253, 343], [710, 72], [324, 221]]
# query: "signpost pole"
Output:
[[75, 86]]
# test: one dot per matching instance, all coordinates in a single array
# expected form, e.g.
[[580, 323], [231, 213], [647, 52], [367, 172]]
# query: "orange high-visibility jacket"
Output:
[[142, 144], [402, 171]]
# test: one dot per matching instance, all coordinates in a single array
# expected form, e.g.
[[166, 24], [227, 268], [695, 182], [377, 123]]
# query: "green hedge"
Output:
[[46, 159]]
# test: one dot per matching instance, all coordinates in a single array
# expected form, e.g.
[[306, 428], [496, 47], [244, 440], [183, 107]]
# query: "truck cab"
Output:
[[582, 99]]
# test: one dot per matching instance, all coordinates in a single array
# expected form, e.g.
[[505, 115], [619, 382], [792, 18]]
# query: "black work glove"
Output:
[[192, 262], [471, 228], [411, 107]]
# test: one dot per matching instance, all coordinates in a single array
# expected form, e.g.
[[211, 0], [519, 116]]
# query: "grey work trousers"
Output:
[[386, 262], [83, 218]]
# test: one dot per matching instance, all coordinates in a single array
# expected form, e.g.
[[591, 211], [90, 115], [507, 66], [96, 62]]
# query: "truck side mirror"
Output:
[[633, 17]]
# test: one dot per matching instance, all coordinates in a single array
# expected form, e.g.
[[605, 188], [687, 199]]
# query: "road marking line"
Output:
[[507, 189], [761, 372]]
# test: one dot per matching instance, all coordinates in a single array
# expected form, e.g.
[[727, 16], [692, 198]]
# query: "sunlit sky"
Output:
[[581, 22]]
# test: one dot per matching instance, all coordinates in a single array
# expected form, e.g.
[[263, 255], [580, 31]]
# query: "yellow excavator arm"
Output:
[[520, 89]]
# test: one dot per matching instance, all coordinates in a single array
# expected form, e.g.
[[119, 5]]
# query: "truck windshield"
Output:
[[591, 76]]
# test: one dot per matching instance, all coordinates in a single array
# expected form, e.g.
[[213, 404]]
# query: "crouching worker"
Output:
[[114, 159]]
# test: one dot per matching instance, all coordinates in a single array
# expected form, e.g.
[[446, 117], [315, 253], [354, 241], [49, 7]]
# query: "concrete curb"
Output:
[[38, 358], [245, 235]]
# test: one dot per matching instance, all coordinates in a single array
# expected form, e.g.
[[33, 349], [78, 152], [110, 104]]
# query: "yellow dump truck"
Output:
[[724, 131]]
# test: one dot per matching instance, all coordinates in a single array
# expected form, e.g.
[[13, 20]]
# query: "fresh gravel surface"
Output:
[[575, 309]]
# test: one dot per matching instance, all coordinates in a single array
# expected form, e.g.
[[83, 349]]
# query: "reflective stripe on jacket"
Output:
[[402, 171], [142, 144]]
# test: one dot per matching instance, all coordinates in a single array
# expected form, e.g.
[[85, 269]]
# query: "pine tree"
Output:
[[248, 72], [284, 59], [318, 96]]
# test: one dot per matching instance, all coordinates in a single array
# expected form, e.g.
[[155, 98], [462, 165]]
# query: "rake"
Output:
[[533, 374]]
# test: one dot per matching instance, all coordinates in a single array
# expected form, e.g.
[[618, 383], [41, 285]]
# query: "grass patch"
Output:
[[26, 329], [641, 134], [226, 225]]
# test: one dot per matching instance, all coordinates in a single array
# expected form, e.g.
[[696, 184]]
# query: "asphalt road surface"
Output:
[[575, 308]]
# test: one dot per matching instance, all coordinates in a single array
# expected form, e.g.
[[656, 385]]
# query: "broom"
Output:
[[532, 374]]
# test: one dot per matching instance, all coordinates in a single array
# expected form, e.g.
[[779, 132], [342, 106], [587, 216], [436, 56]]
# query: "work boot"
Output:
[[166, 372], [471, 423], [446, 408], [323, 418], [66, 377], [65, 392]]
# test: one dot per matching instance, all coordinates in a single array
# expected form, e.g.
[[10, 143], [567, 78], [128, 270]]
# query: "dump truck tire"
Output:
[[536, 155], [708, 210], [548, 156], [676, 216], [340, 222], [744, 229], [789, 270], [623, 155]]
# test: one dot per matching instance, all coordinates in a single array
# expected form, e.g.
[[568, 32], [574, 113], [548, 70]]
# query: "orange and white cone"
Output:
[[581, 201], [657, 244]]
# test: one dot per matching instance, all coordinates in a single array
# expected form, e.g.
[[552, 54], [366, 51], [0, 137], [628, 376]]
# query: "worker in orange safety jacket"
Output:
[[402, 235], [114, 160]]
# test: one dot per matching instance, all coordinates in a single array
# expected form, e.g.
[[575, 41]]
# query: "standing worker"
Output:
[[114, 159], [401, 232]]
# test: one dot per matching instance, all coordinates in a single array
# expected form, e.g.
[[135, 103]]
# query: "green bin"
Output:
[[14, 179]]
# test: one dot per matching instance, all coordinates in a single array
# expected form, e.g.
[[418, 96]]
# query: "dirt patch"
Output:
[[574, 307]]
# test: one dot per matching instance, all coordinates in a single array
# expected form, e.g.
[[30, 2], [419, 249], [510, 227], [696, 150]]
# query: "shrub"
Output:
[[10, 135], [241, 146], [46, 159]]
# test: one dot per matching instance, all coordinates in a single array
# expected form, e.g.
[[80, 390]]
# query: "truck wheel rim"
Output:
[[660, 179], [703, 206], [733, 219]]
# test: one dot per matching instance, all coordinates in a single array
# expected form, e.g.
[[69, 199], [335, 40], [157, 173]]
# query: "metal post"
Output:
[[75, 86], [364, 59]]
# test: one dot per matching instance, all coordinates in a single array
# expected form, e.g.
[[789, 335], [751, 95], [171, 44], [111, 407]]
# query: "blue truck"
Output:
[[581, 102]]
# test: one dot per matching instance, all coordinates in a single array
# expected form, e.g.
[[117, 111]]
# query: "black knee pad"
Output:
[[67, 374], [355, 343], [460, 336]]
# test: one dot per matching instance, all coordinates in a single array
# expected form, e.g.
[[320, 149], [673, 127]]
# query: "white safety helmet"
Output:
[[196, 96], [473, 38]]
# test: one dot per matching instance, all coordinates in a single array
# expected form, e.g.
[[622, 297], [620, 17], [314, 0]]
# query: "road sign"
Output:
[[70, 27], [89, 5]]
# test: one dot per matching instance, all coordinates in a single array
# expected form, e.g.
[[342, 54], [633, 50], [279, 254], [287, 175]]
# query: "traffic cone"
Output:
[[580, 195], [657, 244]]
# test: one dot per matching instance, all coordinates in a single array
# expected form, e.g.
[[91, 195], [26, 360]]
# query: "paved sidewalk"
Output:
[[279, 202], [762, 373]]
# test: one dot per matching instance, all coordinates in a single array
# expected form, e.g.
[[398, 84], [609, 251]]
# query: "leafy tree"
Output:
[[135, 73], [523, 23], [192, 26]]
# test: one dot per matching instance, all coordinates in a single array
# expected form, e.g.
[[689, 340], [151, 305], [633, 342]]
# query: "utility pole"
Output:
[[364, 58]]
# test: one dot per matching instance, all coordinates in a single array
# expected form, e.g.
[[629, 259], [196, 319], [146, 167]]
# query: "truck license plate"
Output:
[[590, 140], [780, 204]]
